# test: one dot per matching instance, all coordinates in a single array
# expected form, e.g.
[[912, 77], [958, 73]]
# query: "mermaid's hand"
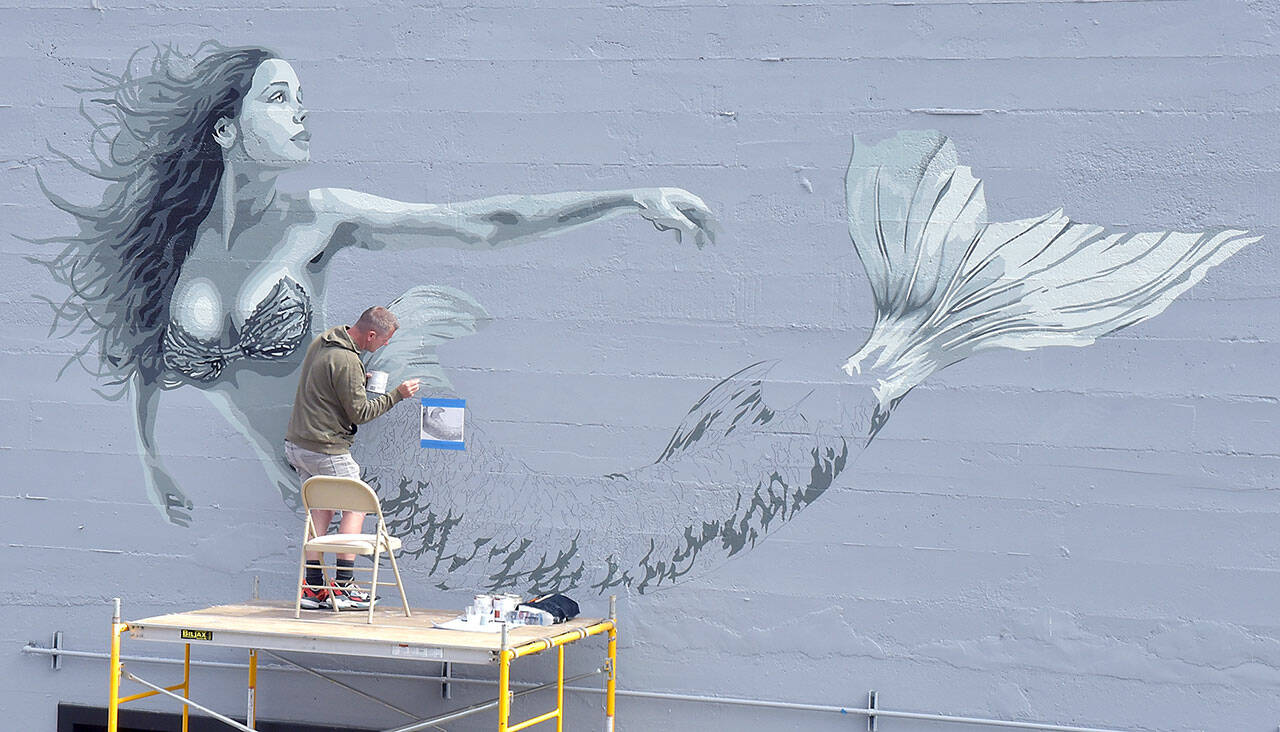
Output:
[[679, 210], [166, 496]]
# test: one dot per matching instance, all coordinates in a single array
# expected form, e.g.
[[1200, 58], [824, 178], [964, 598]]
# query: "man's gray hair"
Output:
[[378, 318]]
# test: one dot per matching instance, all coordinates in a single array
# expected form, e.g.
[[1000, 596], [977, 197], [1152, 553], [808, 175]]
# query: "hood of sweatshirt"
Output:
[[337, 336]]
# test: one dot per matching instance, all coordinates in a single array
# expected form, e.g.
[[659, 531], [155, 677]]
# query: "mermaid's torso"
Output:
[[273, 331]]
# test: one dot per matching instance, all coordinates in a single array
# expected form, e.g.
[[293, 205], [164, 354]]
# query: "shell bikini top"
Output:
[[273, 331]]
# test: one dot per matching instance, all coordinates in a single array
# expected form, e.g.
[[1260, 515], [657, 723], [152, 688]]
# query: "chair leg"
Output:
[[302, 567], [373, 583], [404, 600], [333, 599]]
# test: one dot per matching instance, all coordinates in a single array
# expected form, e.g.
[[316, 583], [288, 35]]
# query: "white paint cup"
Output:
[[377, 382], [505, 605]]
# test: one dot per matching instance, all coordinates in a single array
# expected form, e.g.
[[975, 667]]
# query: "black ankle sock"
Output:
[[345, 573], [315, 575]]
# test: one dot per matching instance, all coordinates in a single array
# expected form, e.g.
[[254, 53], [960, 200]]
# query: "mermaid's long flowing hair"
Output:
[[154, 146]]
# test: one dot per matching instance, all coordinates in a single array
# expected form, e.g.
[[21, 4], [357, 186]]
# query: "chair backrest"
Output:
[[343, 494]]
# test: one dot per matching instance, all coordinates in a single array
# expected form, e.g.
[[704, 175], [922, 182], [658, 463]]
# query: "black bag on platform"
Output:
[[560, 607]]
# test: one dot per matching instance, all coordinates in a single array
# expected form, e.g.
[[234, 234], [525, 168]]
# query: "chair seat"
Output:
[[350, 544]]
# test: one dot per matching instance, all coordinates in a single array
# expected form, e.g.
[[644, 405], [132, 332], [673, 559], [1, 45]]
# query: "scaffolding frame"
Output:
[[258, 631]]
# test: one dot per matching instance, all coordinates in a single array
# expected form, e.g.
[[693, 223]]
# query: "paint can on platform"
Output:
[[504, 606], [484, 606]]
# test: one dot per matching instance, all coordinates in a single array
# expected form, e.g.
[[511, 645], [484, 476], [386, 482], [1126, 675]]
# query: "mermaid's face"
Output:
[[271, 129]]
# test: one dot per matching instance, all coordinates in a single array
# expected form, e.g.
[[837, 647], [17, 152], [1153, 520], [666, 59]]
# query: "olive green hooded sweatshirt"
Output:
[[331, 399]]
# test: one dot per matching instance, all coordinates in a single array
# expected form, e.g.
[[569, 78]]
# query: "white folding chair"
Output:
[[346, 494]]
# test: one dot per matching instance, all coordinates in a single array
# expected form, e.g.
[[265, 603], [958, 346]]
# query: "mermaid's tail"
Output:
[[429, 316], [948, 283]]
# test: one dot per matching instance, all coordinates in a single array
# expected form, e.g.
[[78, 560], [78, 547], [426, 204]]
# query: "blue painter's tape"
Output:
[[444, 444], [430, 402]]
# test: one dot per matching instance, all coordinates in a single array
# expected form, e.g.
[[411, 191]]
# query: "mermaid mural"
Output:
[[196, 271]]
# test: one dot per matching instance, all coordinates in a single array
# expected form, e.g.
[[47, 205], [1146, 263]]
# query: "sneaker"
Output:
[[313, 599], [350, 597]]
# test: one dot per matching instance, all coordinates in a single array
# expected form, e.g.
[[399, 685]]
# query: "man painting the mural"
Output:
[[330, 402]]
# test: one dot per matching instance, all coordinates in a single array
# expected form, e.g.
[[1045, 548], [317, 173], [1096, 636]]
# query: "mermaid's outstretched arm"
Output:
[[374, 222], [161, 489]]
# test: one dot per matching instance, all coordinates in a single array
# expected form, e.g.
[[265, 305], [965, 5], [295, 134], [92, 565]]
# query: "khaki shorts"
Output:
[[309, 463]]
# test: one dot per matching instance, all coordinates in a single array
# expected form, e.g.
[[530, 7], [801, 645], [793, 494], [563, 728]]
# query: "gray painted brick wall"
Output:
[[1081, 536]]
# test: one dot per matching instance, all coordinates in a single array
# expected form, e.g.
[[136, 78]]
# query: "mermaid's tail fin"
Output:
[[429, 316], [948, 283]]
